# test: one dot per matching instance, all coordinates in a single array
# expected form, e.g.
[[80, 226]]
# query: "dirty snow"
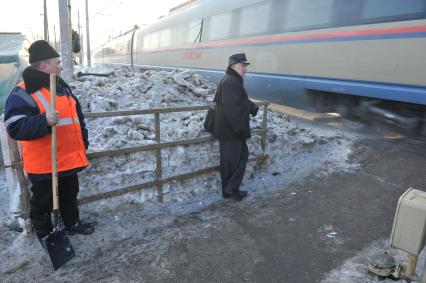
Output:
[[294, 152], [355, 270]]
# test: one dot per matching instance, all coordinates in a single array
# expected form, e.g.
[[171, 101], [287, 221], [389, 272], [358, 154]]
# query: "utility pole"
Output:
[[46, 26], [89, 61], [69, 22], [54, 36], [66, 52], [81, 38]]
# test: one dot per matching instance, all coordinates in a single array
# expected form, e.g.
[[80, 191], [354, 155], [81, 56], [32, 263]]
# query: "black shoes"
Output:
[[226, 195], [238, 196], [80, 228]]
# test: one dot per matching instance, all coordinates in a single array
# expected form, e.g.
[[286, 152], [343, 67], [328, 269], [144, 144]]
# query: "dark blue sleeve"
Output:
[[22, 117], [80, 114], [253, 108]]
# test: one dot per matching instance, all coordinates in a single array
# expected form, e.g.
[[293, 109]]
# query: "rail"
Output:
[[159, 181]]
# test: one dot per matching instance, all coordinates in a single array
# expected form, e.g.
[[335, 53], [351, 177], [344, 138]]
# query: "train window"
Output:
[[346, 13], [154, 40], [151, 41], [139, 41], [392, 9], [121, 48], [180, 34], [255, 18], [194, 29], [146, 41], [220, 26], [302, 14], [109, 51], [165, 38]]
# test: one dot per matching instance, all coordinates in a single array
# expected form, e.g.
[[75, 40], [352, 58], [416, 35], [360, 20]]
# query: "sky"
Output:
[[107, 18]]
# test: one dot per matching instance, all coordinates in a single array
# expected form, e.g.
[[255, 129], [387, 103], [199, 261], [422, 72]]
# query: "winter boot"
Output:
[[238, 196], [80, 228]]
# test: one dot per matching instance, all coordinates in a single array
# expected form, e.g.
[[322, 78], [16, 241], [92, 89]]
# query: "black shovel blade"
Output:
[[59, 248]]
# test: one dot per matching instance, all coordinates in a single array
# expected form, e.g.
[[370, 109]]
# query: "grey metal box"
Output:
[[409, 225]]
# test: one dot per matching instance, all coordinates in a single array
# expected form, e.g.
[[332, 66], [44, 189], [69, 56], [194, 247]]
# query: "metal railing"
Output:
[[159, 181]]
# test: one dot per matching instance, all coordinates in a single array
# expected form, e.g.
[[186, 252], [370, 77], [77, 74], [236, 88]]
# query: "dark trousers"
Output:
[[233, 160], [41, 203]]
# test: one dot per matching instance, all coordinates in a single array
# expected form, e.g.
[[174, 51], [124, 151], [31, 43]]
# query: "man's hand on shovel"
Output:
[[52, 118]]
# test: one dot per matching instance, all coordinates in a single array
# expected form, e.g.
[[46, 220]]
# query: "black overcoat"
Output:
[[233, 108]]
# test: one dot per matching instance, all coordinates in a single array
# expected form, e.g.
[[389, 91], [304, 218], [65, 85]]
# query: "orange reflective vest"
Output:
[[71, 152]]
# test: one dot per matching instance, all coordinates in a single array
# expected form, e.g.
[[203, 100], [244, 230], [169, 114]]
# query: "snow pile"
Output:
[[120, 89]]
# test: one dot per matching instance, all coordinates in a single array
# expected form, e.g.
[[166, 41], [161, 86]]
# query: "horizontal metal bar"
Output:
[[113, 152], [146, 111], [115, 193], [138, 187], [153, 111]]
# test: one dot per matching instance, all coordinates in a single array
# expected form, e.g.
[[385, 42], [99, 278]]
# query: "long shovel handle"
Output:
[[54, 162]]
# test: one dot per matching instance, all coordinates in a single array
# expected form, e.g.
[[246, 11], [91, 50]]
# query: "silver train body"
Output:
[[334, 51]]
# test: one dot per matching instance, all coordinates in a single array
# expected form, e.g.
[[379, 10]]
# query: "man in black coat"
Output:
[[232, 125]]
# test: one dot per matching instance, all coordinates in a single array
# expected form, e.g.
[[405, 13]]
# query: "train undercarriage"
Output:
[[411, 118]]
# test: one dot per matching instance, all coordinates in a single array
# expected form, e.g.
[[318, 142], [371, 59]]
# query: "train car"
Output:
[[351, 57]]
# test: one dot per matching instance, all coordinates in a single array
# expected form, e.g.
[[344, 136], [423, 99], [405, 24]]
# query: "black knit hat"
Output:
[[41, 50]]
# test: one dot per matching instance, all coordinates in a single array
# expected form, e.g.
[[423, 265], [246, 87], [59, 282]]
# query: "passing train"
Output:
[[352, 57]]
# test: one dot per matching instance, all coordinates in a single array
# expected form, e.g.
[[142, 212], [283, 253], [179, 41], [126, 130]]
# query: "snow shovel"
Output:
[[57, 242]]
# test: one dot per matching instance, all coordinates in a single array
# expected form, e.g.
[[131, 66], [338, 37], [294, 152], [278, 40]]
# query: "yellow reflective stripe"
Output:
[[13, 119], [46, 104], [64, 122], [67, 121]]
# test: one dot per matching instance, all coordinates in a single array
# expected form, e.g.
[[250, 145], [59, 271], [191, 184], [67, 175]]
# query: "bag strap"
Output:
[[218, 90]]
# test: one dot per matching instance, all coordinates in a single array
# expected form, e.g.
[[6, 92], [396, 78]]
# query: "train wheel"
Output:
[[322, 101], [347, 107]]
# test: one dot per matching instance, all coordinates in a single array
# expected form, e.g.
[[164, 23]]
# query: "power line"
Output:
[[103, 9]]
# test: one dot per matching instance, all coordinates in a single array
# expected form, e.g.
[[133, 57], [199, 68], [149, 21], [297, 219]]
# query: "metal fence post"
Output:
[[158, 171], [264, 128]]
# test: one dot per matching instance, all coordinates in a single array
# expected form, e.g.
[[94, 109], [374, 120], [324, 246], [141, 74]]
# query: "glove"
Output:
[[254, 111], [86, 143]]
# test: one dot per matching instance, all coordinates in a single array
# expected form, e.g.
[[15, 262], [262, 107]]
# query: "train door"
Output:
[[137, 47]]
